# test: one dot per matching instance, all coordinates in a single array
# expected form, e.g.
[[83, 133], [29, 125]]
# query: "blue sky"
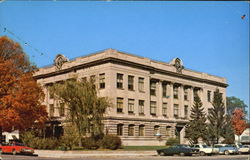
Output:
[[209, 37]]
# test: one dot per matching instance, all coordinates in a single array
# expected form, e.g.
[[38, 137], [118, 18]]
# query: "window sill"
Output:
[[131, 113]]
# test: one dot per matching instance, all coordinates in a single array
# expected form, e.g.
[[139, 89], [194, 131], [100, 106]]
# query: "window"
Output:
[[102, 80], [186, 111], [141, 130], [176, 110], [61, 110], [120, 105], [141, 106], [119, 129], [131, 105], [153, 108], [131, 83], [92, 78], [185, 94], [141, 84], [209, 96], [51, 110], [153, 88], [168, 131], [195, 93], [164, 90], [131, 130], [119, 81], [164, 109], [84, 79], [156, 130], [175, 92]]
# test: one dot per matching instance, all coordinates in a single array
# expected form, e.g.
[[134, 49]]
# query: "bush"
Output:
[[111, 142], [172, 141], [90, 143]]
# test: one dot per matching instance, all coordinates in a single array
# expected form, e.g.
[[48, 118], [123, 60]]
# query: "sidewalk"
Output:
[[79, 154]]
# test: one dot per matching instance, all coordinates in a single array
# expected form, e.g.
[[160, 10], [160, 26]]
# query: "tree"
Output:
[[228, 132], [196, 127], [20, 95], [70, 136], [85, 109], [216, 118], [233, 103], [238, 122]]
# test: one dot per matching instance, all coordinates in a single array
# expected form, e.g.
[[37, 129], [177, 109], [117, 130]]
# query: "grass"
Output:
[[145, 148]]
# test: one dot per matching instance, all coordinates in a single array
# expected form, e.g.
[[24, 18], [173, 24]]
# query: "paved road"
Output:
[[220, 157]]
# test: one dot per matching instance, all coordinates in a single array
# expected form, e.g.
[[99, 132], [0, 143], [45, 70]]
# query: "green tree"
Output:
[[216, 118], [196, 127], [233, 103], [70, 137], [85, 109], [228, 132]]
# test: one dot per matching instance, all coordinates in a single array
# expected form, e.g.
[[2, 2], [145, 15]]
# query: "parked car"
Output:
[[242, 149], [177, 149], [205, 150], [226, 149], [16, 148]]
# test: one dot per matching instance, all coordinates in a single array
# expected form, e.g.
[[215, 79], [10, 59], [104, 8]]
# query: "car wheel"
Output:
[[226, 152], [162, 154], [182, 154], [14, 152], [202, 153]]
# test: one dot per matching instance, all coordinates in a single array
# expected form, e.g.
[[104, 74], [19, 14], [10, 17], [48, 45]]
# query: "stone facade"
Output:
[[152, 100]]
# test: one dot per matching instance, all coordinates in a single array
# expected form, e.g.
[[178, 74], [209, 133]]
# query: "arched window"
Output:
[[168, 131], [156, 130], [119, 129], [141, 130], [131, 130]]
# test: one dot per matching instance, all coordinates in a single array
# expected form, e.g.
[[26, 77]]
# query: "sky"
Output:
[[208, 37]]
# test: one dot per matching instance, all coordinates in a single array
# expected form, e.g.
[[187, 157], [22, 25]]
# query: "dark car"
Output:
[[177, 149]]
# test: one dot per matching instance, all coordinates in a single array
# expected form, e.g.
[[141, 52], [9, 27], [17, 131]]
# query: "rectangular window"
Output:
[[119, 81], [131, 83], [176, 92], [156, 130], [186, 111], [102, 80], [120, 105], [51, 110], [131, 105], [62, 110], [164, 90], [131, 130], [141, 84], [195, 93], [164, 109], [176, 110], [120, 129], [141, 106], [209, 96], [153, 108], [185, 94], [92, 78], [141, 130], [153, 88]]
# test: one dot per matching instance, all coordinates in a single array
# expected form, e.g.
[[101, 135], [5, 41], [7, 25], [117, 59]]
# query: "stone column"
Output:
[[191, 97], [181, 99], [159, 98], [171, 100]]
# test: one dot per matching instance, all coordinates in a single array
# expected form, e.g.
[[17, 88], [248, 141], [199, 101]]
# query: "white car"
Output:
[[242, 149], [205, 150]]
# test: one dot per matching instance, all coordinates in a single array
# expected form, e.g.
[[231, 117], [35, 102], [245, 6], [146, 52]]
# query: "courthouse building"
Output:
[[151, 100]]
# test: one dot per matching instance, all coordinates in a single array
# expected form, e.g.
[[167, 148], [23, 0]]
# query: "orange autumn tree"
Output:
[[238, 122], [20, 95]]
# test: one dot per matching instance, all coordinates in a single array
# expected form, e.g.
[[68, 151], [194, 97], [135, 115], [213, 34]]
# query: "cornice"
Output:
[[133, 64]]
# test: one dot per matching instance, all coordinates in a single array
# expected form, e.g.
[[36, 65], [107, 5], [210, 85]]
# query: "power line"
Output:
[[24, 42]]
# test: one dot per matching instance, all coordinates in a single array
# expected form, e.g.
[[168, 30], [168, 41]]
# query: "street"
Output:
[[218, 157]]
